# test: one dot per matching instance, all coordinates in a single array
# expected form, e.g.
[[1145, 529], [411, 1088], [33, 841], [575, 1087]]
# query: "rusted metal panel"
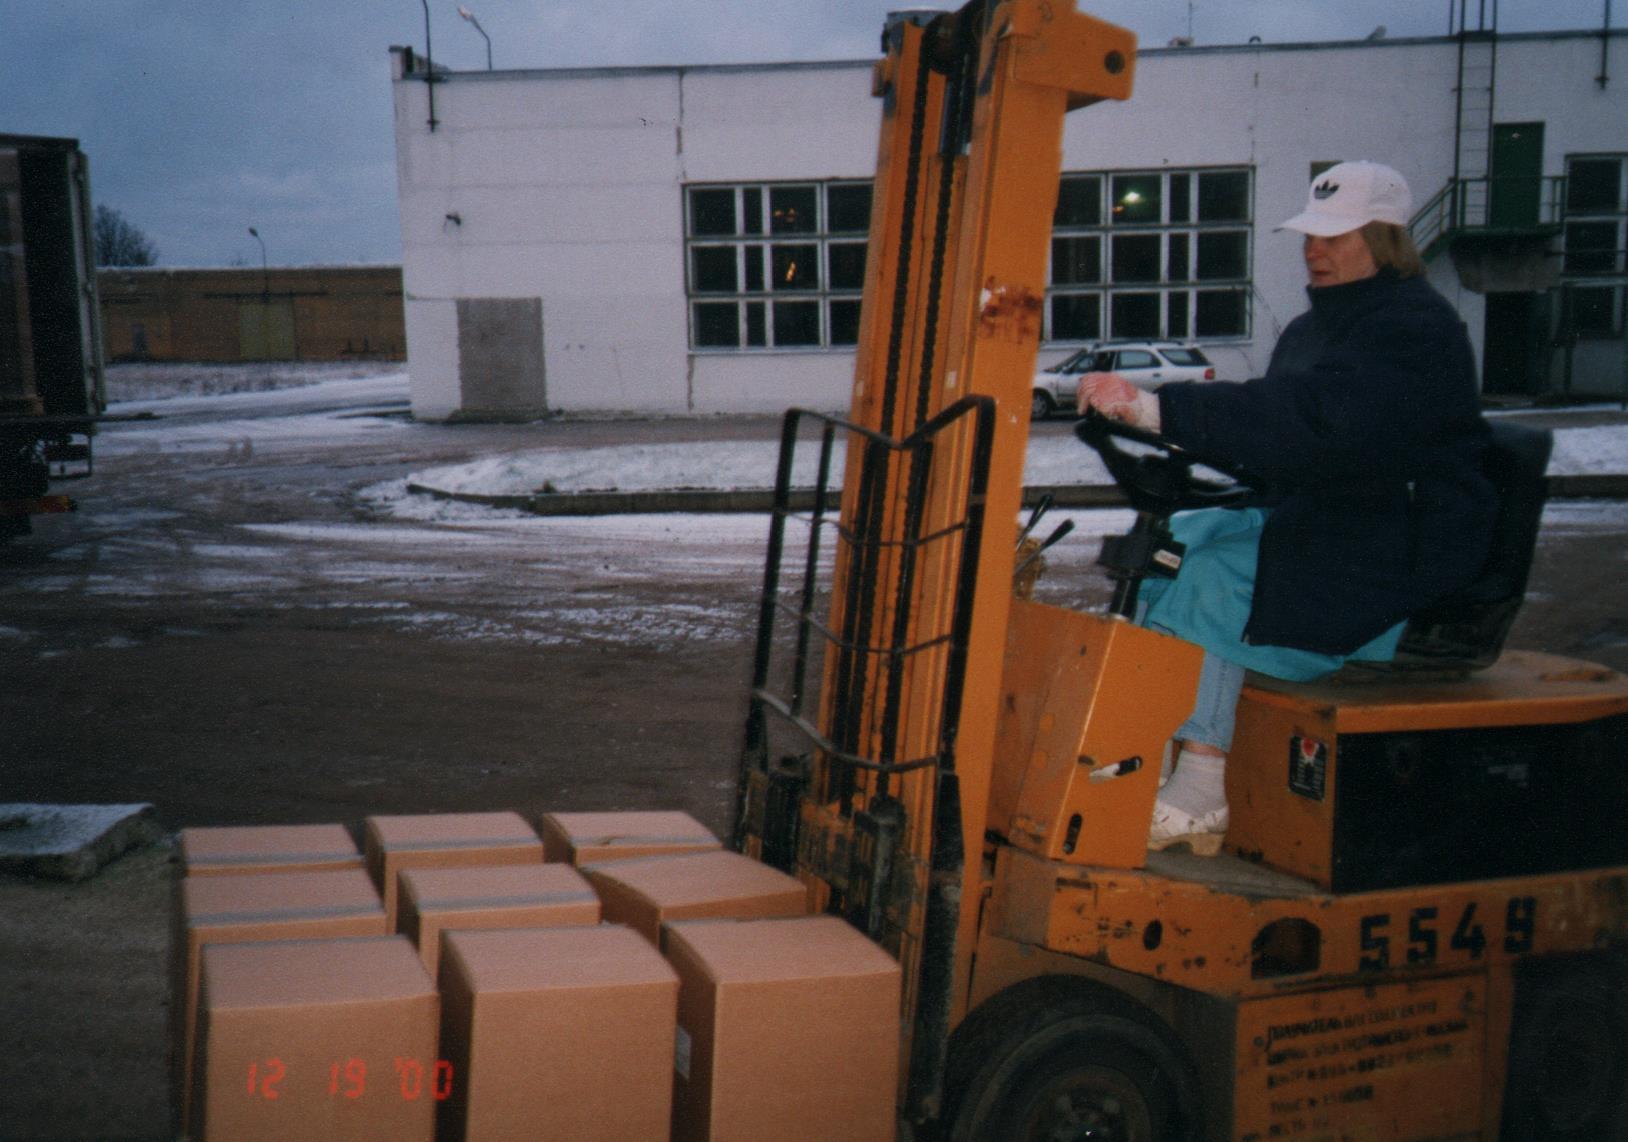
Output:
[[1222, 927], [1089, 702], [1358, 786], [1399, 1061], [1523, 688]]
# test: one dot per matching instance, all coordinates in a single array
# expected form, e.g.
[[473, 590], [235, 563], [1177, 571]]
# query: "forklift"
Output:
[[1418, 928]]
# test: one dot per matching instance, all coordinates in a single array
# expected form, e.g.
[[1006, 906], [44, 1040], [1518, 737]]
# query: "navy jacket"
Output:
[[1367, 429]]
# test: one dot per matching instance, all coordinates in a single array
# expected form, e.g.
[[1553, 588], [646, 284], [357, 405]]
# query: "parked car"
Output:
[[1146, 364]]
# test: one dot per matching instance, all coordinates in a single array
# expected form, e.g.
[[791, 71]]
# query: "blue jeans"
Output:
[[1215, 708], [1215, 705]]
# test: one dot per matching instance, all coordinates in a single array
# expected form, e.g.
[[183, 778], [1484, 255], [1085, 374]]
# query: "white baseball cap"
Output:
[[1349, 195]]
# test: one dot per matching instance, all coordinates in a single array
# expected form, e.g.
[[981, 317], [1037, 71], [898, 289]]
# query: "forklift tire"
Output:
[[1568, 1051], [1061, 1058]]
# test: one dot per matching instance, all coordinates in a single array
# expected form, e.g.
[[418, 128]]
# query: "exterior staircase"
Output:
[[1496, 228]]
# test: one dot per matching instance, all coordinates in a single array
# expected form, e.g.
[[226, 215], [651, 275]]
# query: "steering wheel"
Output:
[[1161, 481]]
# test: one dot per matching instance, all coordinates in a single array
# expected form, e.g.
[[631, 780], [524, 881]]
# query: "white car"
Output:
[[1146, 364]]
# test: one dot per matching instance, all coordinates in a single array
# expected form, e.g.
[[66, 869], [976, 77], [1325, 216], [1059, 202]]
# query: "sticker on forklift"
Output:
[[1326, 1064], [1308, 767]]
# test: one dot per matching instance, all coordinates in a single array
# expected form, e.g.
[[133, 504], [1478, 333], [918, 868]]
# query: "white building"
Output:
[[691, 239]]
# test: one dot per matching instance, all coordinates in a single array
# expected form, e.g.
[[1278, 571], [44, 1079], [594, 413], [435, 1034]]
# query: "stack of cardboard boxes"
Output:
[[621, 977]]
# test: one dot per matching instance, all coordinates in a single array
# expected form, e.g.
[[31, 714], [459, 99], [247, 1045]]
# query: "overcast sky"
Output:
[[205, 117]]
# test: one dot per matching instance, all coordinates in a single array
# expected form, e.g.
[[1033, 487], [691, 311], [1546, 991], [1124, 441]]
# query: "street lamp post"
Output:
[[470, 16], [265, 269]]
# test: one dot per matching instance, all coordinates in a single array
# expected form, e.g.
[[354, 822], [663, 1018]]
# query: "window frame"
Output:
[[1171, 271], [1594, 268], [782, 266]]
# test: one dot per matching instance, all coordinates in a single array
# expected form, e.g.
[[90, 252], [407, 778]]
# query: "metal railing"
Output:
[[1490, 204]]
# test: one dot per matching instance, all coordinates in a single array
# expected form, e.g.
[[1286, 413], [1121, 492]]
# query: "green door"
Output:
[[1510, 345], [1517, 175]]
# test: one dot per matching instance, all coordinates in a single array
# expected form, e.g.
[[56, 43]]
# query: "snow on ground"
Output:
[[317, 409], [729, 465], [1602, 449], [291, 403], [464, 572], [543, 580], [148, 381], [719, 466]]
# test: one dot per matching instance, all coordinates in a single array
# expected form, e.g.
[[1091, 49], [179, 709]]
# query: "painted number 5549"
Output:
[[1417, 939]]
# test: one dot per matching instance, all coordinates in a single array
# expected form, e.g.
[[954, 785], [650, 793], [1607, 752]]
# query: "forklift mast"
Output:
[[867, 770]]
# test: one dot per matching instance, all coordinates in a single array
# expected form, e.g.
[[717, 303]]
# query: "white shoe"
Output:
[[1173, 826]]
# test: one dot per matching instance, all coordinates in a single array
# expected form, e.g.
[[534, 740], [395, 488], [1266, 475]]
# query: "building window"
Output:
[[1596, 311], [1147, 254], [1595, 264], [776, 265]]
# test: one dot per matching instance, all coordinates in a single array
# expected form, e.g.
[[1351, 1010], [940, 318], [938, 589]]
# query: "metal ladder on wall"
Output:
[[1477, 34]]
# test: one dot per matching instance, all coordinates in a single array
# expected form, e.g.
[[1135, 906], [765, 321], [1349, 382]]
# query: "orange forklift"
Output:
[[1417, 929]]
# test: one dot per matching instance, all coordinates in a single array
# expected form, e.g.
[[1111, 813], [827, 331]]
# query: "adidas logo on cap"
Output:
[[1350, 195]]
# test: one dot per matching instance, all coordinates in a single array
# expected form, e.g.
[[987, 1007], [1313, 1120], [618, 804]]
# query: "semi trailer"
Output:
[[51, 377]]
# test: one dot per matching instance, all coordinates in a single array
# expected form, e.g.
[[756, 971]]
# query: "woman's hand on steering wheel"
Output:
[[1115, 397], [1159, 477]]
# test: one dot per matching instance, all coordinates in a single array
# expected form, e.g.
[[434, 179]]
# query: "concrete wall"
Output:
[[567, 187], [741, 125], [310, 313], [560, 189]]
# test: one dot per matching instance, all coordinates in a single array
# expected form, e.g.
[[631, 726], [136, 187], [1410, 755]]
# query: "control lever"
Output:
[[1040, 509], [1062, 529]]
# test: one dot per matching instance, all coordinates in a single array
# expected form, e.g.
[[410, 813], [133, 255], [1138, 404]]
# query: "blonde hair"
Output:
[[1391, 245]]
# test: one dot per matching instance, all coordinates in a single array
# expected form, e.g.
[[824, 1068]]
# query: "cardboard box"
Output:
[[434, 900], [267, 848], [588, 838], [330, 1039], [557, 1033], [444, 840], [783, 1022], [649, 891], [240, 909]]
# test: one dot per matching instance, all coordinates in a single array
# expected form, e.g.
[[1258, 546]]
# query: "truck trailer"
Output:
[[52, 386]]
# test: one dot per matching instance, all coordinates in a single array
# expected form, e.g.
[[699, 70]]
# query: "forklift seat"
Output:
[[1466, 630]]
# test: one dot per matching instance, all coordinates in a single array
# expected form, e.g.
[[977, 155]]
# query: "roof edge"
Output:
[[482, 75]]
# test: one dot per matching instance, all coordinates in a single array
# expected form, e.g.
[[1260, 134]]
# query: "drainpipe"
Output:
[[429, 64], [1605, 47], [1455, 221]]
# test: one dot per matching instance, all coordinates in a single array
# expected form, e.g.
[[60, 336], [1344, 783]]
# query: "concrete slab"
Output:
[[71, 842]]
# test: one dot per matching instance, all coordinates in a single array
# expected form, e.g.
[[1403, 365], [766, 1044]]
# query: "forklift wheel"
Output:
[[1568, 1052], [1061, 1059]]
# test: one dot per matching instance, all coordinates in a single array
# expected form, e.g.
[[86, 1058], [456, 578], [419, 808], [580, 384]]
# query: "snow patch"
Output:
[[735, 465], [132, 382]]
